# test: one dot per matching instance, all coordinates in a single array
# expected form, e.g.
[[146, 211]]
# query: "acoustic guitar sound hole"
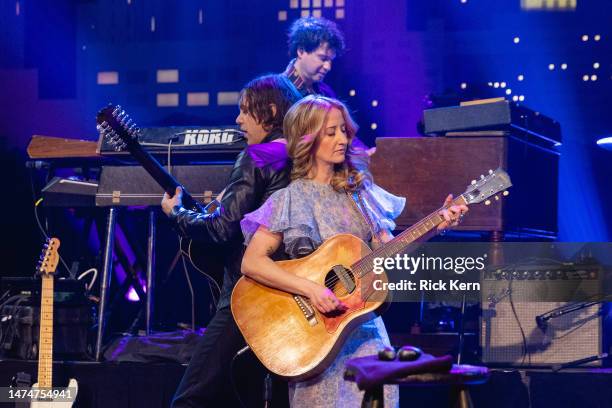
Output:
[[340, 280]]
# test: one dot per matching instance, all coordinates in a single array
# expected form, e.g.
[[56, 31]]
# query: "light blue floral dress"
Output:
[[307, 213]]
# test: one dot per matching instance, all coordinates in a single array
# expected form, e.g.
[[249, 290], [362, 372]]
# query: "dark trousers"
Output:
[[207, 380]]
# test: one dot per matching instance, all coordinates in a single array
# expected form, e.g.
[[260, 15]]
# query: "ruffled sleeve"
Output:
[[382, 206], [285, 213]]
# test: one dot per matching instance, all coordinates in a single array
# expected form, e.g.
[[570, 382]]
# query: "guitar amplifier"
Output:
[[515, 331], [20, 326], [20, 318]]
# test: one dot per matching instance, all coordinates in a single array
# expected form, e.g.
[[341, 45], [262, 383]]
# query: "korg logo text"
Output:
[[206, 136]]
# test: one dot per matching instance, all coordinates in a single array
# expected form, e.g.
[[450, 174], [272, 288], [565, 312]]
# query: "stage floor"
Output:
[[151, 385]]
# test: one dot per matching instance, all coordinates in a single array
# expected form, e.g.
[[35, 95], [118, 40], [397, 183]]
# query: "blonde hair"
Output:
[[304, 123]]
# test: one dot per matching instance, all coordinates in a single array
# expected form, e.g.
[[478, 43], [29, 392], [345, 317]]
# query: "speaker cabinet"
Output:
[[510, 333]]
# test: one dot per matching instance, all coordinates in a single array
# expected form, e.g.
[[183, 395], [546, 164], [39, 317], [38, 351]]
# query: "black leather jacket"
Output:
[[259, 171]]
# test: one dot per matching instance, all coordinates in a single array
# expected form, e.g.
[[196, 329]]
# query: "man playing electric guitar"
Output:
[[260, 170]]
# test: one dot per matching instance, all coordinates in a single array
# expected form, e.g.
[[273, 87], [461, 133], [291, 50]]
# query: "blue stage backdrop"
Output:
[[177, 63]]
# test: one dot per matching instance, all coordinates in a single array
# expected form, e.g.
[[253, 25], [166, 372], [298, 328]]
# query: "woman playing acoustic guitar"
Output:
[[329, 192]]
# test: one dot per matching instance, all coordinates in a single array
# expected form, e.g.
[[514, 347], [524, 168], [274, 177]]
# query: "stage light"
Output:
[[373, 126], [593, 77], [374, 103], [305, 3], [17, 8], [463, 85], [551, 66], [508, 91], [517, 40], [521, 98], [282, 15], [597, 37], [108, 78], [520, 77], [153, 24], [596, 65], [316, 3], [167, 99], [201, 16], [293, 4], [228, 98], [605, 142], [131, 295], [198, 98], [490, 83], [339, 14], [503, 84], [585, 77], [167, 76], [305, 13], [585, 37], [496, 85], [352, 92], [316, 13], [463, 1], [563, 66], [515, 98]]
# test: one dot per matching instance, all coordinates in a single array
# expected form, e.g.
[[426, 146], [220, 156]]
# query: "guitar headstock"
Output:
[[117, 127], [49, 258], [488, 186]]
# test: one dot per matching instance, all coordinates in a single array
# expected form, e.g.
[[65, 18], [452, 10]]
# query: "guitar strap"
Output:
[[361, 208]]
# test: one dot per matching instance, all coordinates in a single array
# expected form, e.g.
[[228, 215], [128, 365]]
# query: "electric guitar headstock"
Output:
[[117, 127], [49, 258]]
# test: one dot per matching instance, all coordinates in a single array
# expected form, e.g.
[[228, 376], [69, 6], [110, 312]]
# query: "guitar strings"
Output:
[[360, 264], [434, 218]]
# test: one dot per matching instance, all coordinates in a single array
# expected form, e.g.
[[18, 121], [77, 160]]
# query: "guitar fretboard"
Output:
[[401, 242], [45, 344]]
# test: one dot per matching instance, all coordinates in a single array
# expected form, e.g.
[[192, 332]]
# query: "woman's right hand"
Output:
[[324, 299]]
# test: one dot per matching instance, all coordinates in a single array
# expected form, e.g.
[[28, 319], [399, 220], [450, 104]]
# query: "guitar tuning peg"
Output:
[[473, 182], [490, 171], [488, 202], [482, 176], [496, 198], [506, 193]]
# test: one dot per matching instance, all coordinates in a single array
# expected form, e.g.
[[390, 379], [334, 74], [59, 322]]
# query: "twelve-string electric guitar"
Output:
[[122, 133], [46, 268], [288, 335]]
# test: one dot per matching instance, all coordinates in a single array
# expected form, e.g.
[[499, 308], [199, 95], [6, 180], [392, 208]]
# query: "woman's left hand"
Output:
[[452, 214]]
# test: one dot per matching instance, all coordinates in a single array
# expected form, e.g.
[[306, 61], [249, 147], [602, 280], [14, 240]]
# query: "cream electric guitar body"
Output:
[[47, 398], [288, 335]]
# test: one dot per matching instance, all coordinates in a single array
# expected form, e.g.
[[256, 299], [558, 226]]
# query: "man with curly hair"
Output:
[[313, 44]]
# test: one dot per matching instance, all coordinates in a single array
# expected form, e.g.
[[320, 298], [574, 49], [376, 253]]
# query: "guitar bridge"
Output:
[[306, 308]]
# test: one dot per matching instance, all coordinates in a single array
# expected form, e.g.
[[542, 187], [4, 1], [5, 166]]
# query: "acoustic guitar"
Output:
[[294, 340], [122, 133], [44, 396]]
